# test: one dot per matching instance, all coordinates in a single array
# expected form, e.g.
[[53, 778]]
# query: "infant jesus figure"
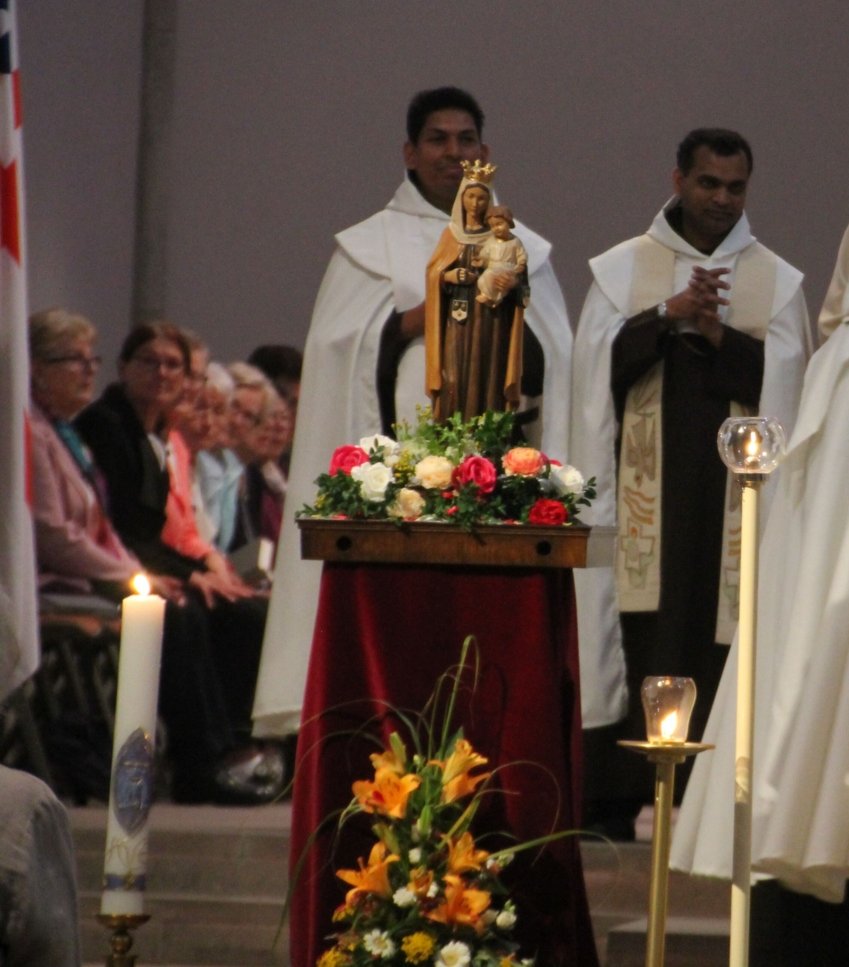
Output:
[[501, 254]]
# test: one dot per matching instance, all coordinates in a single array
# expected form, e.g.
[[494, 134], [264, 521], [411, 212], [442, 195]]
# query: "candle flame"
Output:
[[668, 725], [141, 585], [753, 444]]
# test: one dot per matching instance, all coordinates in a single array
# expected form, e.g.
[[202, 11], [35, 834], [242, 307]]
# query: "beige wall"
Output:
[[289, 122]]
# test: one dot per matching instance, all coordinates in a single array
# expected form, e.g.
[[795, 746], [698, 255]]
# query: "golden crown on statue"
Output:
[[475, 171]]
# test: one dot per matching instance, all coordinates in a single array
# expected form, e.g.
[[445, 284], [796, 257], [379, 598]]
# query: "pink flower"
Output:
[[345, 458], [478, 471], [549, 512], [523, 462]]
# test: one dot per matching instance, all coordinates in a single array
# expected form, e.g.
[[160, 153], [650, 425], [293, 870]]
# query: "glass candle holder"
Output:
[[668, 703], [751, 444]]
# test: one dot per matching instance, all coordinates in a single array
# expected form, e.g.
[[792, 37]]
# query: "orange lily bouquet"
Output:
[[427, 893], [456, 472]]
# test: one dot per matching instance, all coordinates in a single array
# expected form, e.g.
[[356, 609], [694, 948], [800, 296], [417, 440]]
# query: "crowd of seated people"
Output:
[[115, 492]]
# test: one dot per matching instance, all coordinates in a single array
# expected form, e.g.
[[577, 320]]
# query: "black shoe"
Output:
[[252, 776]]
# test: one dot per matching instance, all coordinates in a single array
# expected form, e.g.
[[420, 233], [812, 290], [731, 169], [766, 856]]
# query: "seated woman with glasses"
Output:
[[79, 549]]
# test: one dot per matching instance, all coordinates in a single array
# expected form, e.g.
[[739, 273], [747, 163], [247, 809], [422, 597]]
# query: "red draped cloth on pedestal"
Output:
[[383, 636]]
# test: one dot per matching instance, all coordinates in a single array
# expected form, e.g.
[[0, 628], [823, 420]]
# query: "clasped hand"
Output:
[[700, 302]]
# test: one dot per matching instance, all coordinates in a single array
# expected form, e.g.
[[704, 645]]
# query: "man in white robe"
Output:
[[376, 281], [800, 792], [680, 327]]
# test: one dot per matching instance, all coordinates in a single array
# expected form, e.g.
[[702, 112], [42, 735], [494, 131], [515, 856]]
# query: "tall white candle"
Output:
[[131, 789]]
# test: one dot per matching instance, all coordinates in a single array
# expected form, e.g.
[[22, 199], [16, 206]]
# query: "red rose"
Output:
[[479, 471], [548, 512], [345, 458]]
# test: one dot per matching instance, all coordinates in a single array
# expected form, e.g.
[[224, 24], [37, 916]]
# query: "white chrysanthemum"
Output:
[[454, 954], [403, 897], [373, 479], [415, 855], [379, 944], [567, 480]]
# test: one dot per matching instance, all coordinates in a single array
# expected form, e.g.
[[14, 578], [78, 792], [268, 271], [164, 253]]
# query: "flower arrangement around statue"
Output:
[[428, 892], [462, 472]]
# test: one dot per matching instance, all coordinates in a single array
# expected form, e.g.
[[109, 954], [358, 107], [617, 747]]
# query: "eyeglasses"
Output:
[[152, 363], [75, 359]]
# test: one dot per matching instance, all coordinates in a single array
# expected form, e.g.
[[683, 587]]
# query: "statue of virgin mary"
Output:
[[473, 350]]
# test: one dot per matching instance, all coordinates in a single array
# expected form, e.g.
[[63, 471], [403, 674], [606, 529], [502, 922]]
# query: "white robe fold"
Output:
[[787, 347], [800, 788], [378, 267]]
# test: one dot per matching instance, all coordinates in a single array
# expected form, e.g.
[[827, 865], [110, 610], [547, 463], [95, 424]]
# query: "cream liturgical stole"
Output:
[[641, 454]]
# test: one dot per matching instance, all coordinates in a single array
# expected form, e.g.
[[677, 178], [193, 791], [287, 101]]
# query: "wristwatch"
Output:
[[661, 310]]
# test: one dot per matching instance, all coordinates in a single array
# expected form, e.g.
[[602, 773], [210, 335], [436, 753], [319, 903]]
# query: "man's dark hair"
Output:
[[440, 99], [718, 140], [280, 363]]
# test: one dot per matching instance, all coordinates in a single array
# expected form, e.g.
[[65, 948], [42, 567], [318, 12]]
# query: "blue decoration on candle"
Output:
[[124, 881], [132, 782]]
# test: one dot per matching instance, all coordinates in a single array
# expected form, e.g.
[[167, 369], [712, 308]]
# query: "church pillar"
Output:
[[153, 160]]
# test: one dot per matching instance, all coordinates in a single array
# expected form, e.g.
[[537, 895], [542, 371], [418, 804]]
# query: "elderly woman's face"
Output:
[[278, 427], [63, 381], [155, 374], [219, 418]]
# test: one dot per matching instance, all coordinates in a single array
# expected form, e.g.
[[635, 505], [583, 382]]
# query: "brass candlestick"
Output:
[[665, 755], [122, 940]]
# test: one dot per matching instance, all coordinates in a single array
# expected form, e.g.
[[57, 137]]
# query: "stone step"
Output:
[[218, 876], [690, 942], [217, 882], [199, 932], [618, 878]]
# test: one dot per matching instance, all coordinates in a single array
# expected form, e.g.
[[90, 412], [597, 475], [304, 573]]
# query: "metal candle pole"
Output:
[[665, 756], [668, 702], [751, 448]]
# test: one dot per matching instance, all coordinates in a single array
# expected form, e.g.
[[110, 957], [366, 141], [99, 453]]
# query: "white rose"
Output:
[[408, 504], [385, 446], [373, 478], [434, 473], [567, 480]]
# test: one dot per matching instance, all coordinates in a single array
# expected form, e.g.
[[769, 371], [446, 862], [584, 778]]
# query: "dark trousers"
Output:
[[617, 782], [191, 698], [791, 929]]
